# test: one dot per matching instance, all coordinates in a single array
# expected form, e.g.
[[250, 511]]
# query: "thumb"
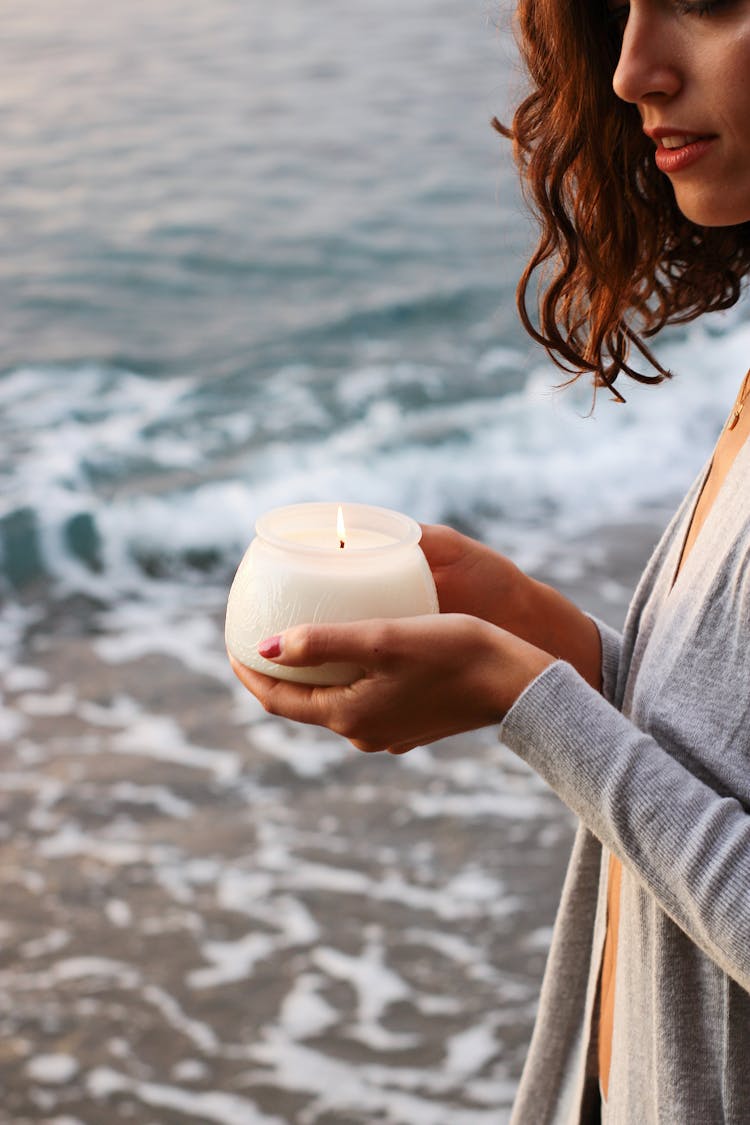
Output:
[[359, 642]]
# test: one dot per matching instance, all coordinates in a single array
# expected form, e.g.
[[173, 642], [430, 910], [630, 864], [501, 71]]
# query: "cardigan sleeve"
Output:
[[689, 844], [611, 649]]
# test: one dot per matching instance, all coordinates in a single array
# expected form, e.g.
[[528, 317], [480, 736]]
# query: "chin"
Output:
[[713, 212]]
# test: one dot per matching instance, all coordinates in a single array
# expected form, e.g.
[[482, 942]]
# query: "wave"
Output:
[[114, 479]]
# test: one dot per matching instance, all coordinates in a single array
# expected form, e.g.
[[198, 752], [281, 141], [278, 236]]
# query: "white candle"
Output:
[[296, 572]]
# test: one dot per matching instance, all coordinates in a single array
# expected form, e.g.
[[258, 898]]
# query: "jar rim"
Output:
[[275, 526]]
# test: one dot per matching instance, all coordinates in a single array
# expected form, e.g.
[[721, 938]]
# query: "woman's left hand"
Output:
[[423, 678]]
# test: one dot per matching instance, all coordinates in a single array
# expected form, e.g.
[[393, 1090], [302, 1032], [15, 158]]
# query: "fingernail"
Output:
[[270, 648]]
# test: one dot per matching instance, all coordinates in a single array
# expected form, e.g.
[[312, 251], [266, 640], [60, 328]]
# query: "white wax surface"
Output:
[[357, 538]]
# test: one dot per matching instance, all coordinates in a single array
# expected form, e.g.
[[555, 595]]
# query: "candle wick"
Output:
[[341, 543]]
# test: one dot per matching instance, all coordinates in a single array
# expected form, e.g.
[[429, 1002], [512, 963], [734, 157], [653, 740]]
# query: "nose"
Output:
[[648, 67]]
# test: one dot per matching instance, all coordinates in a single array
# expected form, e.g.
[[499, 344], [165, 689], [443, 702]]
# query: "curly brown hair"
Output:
[[617, 259]]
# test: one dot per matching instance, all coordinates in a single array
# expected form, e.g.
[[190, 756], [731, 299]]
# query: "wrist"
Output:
[[514, 664], [553, 623], [524, 599]]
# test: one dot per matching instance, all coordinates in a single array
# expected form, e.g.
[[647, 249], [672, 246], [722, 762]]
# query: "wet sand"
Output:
[[211, 916]]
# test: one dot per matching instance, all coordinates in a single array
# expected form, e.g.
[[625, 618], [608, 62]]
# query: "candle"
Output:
[[307, 566]]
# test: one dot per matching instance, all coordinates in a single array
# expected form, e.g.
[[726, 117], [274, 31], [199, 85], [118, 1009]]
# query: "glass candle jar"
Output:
[[304, 567]]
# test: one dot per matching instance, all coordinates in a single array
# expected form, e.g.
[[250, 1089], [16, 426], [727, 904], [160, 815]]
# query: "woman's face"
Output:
[[686, 65]]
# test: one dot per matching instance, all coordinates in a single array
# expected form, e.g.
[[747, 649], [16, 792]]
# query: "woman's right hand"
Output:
[[473, 579]]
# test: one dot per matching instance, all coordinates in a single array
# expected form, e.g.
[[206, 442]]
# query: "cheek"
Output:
[[734, 84], [735, 94]]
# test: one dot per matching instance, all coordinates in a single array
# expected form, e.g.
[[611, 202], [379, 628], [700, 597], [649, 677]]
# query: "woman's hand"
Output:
[[423, 678], [472, 578]]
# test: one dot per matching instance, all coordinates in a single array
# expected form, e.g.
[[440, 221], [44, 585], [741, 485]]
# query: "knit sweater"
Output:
[[657, 768]]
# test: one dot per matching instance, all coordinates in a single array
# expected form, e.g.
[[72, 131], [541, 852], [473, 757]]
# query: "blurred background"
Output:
[[253, 255]]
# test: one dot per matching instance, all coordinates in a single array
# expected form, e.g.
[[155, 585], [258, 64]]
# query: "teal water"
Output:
[[217, 190]]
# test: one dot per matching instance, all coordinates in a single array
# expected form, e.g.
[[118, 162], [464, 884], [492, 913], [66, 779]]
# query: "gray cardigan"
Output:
[[657, 768]]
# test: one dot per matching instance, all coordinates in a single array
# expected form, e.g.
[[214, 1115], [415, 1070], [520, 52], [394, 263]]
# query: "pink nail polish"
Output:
[[270, 648]]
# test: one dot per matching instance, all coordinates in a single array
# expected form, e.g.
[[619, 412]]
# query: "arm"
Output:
[[689, 844], [425, 678]]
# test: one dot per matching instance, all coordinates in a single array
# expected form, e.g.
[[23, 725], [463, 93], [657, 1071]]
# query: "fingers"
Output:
[[423, 678], [363, 643], [303, 703], [441, 545], [346, 711], [255, 682]]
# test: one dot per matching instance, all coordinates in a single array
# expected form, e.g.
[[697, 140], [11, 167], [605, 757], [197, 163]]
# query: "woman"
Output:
[[634, 143]]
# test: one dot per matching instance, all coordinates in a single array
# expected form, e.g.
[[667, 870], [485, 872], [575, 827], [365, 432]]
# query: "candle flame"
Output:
[[341, 528]]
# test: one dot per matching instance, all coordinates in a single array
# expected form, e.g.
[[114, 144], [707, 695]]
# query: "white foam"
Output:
[[531, 466], [12, 724], [533, 455], [307, 755], [48, 943], [251, 893], [376, 985], [48, 790], [22, 677], [469, 806], [384, 1093], [158, 796], [304, 1012], [294, 921], [121, 975], [201, 1034], [241, 890], [71, 840], [72, 968], [177, 880], [452, 946], [210, 1106], [539, 940], [231, 960], [378, 1038], [52, 1070], [53, 704], [120, 711], [189, 1070], [139, 630], [160, 737], [119, 913], [467, 1052], [469, 895]]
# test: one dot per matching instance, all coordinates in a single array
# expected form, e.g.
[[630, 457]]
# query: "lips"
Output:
[[677, 150]]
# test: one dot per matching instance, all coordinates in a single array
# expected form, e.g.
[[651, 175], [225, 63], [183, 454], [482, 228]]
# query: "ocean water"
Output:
[[257, 257], [254, 255]]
